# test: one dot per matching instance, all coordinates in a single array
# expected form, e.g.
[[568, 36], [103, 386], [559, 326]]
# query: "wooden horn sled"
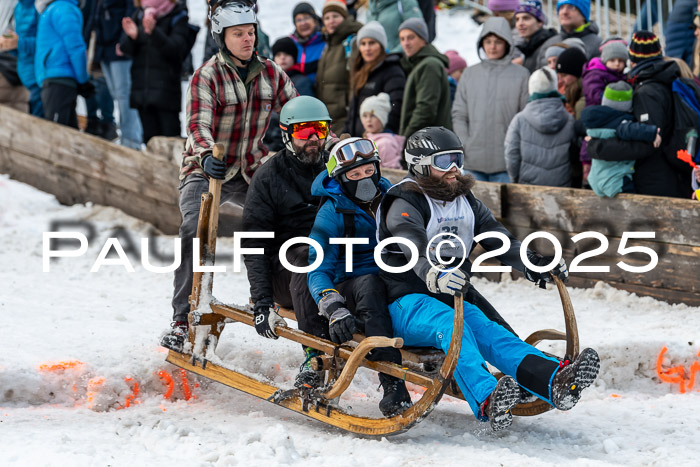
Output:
[[428, 368]]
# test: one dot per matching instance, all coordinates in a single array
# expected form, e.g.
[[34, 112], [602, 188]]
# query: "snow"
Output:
[[108, 324]]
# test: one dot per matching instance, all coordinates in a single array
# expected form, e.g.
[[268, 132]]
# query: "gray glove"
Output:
[[441, 281], [341, 322]]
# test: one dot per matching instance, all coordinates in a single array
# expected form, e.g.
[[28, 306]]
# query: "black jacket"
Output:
[[388, 77], [279, 200], [656, 171], [158, 58], [107, 22]]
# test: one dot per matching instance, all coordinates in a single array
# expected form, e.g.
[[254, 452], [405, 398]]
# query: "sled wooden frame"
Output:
[[207, 321]]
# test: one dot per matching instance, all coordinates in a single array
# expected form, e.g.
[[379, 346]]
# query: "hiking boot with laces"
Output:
[[396, 398], [497, 407], [175, 339], [572, 378], [308, 378]]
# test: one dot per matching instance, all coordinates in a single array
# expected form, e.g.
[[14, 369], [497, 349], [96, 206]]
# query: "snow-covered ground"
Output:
[[76, 343]]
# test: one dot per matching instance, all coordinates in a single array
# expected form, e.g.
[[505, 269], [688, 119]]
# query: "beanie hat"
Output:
[[615, 47], [303, 8], [542, 81], [584, 6], [373, 30], [532, 8], [571, 62], [337, 6], [644, 45], [379, 106], [418, 26], [285, 45], [618, 95], [555, 50], [576, 42], [456, 61], [503, 5]]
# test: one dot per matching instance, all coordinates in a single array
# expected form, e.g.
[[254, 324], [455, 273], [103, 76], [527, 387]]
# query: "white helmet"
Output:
[[231, 13]]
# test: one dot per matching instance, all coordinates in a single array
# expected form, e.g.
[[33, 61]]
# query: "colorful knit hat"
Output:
[[618, 95], [644, 45], [338, 6], [533, 8]]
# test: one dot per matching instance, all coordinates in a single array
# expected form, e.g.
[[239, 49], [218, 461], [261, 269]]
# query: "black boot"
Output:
[[109, 131], [93, 127], [572, 378], [175, 339], [396, 398], [497, 407]]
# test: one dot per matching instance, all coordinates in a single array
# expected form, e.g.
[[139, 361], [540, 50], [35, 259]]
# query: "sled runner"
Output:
[[428, 368]]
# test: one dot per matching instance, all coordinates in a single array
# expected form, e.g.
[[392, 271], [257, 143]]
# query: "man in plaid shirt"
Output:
[[229, 101]]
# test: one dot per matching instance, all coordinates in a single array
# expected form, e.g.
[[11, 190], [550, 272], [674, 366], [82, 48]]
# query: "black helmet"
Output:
[[424, 144]]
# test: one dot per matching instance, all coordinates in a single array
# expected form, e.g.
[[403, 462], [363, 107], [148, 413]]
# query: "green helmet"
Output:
[[299, 110]]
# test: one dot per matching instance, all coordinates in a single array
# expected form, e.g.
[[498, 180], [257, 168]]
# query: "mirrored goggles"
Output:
[[348, 153], [444, 161], [306, 130]]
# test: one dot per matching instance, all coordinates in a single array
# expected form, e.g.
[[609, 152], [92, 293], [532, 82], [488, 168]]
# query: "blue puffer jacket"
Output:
[[329, 224], [309, 53], [60, 48], [26, 20]]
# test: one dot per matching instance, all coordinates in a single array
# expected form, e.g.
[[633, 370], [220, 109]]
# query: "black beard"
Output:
[[438, 188]]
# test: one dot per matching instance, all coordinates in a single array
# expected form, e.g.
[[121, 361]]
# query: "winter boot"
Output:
[[574, 377], [93, 127], [175, 339], [308, 378], [396, 398], [498, 405], [109, 131]]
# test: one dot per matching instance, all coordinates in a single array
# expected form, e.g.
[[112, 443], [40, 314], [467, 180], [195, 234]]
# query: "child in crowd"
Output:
[[603, 70], [284, 52], [454, 71], [374, 113], [552, 54], [614, 119]]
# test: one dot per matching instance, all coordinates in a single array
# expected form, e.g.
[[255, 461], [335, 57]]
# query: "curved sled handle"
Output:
[[450, 362], [572, 345], [355, 361]]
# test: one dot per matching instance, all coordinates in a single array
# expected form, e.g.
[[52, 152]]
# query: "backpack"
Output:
[[686, 119]]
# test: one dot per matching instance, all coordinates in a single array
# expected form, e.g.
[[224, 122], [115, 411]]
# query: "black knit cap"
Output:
[[644, 45], [303, 8], [571, 62], [286, 45]]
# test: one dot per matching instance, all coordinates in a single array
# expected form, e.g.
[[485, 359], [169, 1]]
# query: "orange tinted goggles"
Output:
[[307, 129]]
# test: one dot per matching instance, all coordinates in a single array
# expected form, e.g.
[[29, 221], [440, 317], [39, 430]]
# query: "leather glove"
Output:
[[441, 281], [342, 323], [214, 167], [86, 89], [540, 278], [266, 318]]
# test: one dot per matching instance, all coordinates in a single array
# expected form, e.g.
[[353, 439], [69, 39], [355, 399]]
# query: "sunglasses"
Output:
[[348, 153], [444, 161], [306, 130]]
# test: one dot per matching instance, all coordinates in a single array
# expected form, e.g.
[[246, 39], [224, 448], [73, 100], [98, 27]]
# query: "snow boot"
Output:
[[109, 131], [308, 378], [574, 377], [175, 339], [396, 398], [498, 405]]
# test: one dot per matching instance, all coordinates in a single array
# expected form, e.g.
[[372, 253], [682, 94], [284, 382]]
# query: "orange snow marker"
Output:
[[168, 381], [185, 385], [60, 366], [93, 387], [131, 398], [615, 395]]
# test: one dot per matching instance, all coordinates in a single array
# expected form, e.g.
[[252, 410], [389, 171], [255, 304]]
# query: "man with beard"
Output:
[[280, 201], [434, 208]]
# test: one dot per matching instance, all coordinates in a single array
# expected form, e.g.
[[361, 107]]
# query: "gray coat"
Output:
[[537, 144], [488, 96]]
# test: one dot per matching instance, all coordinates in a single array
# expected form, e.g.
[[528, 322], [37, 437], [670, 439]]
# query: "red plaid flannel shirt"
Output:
[[221, 110]]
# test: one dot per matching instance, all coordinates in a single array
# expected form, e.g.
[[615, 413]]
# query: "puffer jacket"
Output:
[[488, 96], [333, 76], [60, 48], [309, 53], [386, 77], [426, 99], [390, 147], [595, 77], [679, 30], [330, 223], [26, 21], [537, 144], [390, 14]]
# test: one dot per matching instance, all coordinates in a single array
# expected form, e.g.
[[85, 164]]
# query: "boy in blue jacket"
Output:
[[352, 190]]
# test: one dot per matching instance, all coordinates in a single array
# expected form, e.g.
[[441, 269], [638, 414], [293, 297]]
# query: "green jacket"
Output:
[[426, 97], [391, 13], [333, 77]]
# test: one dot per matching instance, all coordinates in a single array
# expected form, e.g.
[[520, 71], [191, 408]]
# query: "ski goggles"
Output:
[[445, 160], [349, 153], [306, 130]]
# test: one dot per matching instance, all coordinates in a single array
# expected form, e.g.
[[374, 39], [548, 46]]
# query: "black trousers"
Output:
[[59, 103], [158, 122]]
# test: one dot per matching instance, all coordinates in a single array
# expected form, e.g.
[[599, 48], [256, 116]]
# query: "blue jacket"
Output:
[[599, 116], [60, 48], [329, 224], [26, 20], [309, 53]]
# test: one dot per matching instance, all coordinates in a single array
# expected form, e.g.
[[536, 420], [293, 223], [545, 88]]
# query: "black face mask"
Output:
[[363, 190]]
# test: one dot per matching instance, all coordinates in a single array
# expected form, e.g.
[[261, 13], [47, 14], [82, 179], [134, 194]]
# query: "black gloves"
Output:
[[266, 318], [341, 322], [540, 278], [214, 167], [86, 89]]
